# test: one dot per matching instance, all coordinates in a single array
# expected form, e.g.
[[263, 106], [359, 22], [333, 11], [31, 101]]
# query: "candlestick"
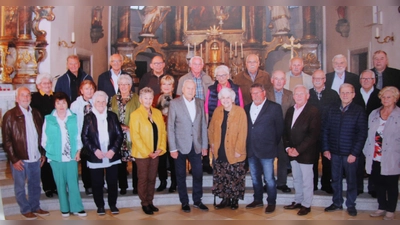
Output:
[[241, 49], [73, 37], [235, 48], [188, 48], [377, 32]]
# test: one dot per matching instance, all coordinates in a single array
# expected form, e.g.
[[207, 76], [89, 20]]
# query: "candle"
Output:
[[201, 50], [235, 48], [241, 49], [73, 37], [194, 50], [377, 32], [188, 48], [374, 14], [381, 17]]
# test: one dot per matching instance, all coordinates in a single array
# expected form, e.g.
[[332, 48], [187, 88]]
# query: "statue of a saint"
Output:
[[214, 53], [280, 19], [153, 17]]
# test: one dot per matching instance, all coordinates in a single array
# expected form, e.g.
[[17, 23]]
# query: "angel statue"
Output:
[[153, 17]]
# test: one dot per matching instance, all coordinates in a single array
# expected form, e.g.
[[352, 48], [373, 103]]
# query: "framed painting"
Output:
[[198, 19]]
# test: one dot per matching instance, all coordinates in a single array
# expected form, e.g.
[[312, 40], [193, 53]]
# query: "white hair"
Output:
[[99, 94], [125, 77], [227, 91], [42, 76]]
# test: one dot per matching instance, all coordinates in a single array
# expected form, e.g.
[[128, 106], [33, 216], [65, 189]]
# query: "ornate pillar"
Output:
[[178, 26], [124, 31], [310, 41], [8, 32], [309, 31], [26, 64], [252, 25]]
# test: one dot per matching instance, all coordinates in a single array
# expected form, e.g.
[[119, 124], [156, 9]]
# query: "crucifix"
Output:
[[292, 46]]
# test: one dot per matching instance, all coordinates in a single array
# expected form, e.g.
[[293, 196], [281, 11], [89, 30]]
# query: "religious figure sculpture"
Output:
[[279, 19], [153, 17]]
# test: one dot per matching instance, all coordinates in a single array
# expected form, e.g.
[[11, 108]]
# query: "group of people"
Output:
[[223, 127]]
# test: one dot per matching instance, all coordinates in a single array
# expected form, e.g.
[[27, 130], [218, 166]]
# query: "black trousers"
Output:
[[123, 175], [85, 172], [97, 176], [387, 188], [46, 175]]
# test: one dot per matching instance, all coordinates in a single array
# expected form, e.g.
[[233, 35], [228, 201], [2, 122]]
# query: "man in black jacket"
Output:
[[340, 75]]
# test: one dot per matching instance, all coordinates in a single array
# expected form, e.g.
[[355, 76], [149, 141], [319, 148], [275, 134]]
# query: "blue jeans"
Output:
[[258, 167], [339, 164], [31, 173], [197, 174]]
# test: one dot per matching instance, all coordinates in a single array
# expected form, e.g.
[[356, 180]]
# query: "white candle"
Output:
[[377, 32], [188, 48], [73, 37], [201, 50], [374, 14], [241, 49], [381, 17], [235, 48], [194, 50]]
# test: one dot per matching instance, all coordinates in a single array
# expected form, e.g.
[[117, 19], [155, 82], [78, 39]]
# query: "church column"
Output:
[[252, 25], [178, 26], [124, 17], [26, 64], [8, 32], [310, 41]]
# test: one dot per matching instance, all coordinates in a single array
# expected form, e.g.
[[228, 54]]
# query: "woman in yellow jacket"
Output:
[[148, 135], [227, 135]]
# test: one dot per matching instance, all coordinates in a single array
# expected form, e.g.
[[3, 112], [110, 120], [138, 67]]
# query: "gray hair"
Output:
[[125, 77], [19, 89], [222, 68], [368, 71], [339, 56], [145, 90], [346, 85], [42, 76], [99, 94], [301, 86], [188, 80], [227, 91], [196, 57]]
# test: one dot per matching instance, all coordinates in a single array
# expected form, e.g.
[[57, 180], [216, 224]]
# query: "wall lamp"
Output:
[[65, 44]]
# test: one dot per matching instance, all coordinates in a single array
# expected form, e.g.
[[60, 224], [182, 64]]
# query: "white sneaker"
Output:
[[378, 213], [81, 213], [389, 216], [65, 214]]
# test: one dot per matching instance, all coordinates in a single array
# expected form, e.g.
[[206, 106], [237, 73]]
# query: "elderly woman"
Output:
[[61, 140], [227, 134], [82, 106], [148, 137], [44, 103], [102, 136], [382, 152], [123, 104], [161, 102]]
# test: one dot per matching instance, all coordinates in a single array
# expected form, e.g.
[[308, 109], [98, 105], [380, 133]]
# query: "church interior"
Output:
[[38, 39]]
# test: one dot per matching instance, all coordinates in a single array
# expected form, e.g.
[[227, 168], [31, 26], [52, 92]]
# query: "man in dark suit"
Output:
[[367, 97], [152, 78], [322, 98], [284, 98], [264, 134], [187, 139], [385, 75], [340, 75], [108, 81], [302, 129]]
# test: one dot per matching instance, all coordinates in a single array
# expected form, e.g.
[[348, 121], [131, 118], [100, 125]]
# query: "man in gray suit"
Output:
[[283, 97], [187, 139]]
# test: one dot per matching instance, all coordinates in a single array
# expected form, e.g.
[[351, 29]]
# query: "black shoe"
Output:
[[88, 191], [122, 191], [359, 192], [55, 192], [147, 210], [332, 208], [304, 211], [153, 208], [372, 193], [172, 188], [208, 169], [101, 211], [293, 206], [186, 208], [114, 210], [270, 209], [328, 190], [49, 194], [201, 206], [289, 171], [163, 185], [234, 204], [352, 211], [254, 204], [134, 191], [284, 188], [224, 203]]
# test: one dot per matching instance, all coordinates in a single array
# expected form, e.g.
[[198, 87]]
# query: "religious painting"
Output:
[[198, 19]]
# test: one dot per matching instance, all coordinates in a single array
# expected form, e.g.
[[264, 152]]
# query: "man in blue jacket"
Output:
[[344, 131]]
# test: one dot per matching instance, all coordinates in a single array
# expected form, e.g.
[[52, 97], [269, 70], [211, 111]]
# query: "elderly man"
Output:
[[340, 75], [250, 76], [344, 131], [69, 82], [202, 81], [187, 139], [296, 75], [367, 97], [22, 132], [265, 123], [322, 98], [302, 129], [108, 81], [284, 98], [385, 75], [152, 78]]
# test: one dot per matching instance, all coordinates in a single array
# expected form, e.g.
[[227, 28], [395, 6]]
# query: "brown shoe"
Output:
[[41, 212], [304, 211], [293, 206], [270, 209], [254, 204], [30, 216]]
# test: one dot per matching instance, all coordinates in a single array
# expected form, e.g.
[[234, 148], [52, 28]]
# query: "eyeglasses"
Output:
[[221, 75], [157, 63], [123, 84], [366, 79]]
